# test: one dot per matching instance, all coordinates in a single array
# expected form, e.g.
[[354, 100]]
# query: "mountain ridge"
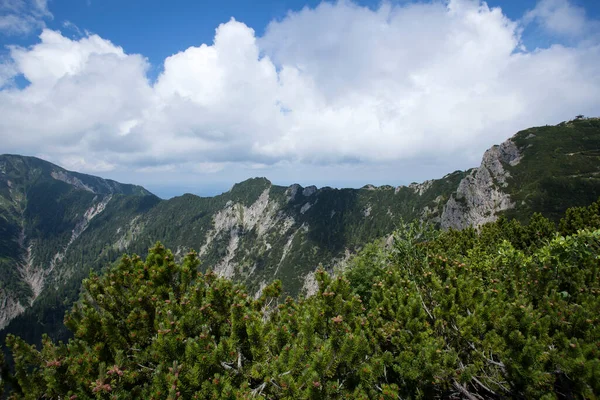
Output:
[[257, 231]]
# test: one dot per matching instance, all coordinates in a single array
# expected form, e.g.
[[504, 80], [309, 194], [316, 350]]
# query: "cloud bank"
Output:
[[335, 85]]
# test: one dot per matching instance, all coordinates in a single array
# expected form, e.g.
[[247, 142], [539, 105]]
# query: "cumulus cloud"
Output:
[[339, 84], [79, 93], [22, 17]]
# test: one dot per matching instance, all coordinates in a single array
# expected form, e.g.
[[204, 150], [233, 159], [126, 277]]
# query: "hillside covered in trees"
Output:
[[57, 225], [509, 311]]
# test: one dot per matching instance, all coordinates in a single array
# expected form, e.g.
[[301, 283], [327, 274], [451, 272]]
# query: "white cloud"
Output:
[[79, 92], [22, 17], [426, 86], [559, 17]]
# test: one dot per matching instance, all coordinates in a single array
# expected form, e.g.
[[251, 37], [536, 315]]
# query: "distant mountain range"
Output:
[[57, 225]]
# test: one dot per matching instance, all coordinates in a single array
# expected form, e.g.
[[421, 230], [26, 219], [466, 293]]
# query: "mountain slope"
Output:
[[57, 225], [545, 169], [43, 211]]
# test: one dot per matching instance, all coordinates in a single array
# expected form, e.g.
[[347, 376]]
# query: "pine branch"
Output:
[[484, 387], [258, 390], [463, 390]]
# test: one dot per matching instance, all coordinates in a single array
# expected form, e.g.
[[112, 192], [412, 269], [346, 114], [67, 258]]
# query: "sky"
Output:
[[193, 96]]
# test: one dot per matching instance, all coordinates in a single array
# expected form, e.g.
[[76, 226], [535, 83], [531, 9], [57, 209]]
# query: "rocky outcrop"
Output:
[[309, 191], [305, 208], [71, 180], [236, 215], [31, 274], [292, 191], [129, 234], [310, 286], [479, 196], [421, 188], [80, 227], [286, 249], [9, 308], [89, 214], [235, 218]]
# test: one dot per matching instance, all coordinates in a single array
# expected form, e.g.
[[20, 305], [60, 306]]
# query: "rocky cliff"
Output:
[[481, 195]]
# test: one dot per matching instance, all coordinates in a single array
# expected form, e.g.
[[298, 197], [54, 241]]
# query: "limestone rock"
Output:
[[479, 196]]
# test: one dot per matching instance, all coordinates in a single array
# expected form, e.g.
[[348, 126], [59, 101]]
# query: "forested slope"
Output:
[[58, 225], [509, 311]]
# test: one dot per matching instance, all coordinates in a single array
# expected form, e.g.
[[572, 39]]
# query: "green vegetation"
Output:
[[285, 238], [511, 311], [41, 206], [560, 168]]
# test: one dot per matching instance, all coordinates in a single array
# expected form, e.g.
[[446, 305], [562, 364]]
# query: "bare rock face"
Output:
[[311, 286], [262, 215], [309, 191], [479, 196], [292, 191], [11, 308], [71, 180], [421, 188]]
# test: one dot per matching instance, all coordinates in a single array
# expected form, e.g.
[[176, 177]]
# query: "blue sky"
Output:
[[338, 94]]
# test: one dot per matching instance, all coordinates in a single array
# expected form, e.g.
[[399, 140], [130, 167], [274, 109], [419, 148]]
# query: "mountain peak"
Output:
[[260, 182], [246, 192], [27, 169]]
